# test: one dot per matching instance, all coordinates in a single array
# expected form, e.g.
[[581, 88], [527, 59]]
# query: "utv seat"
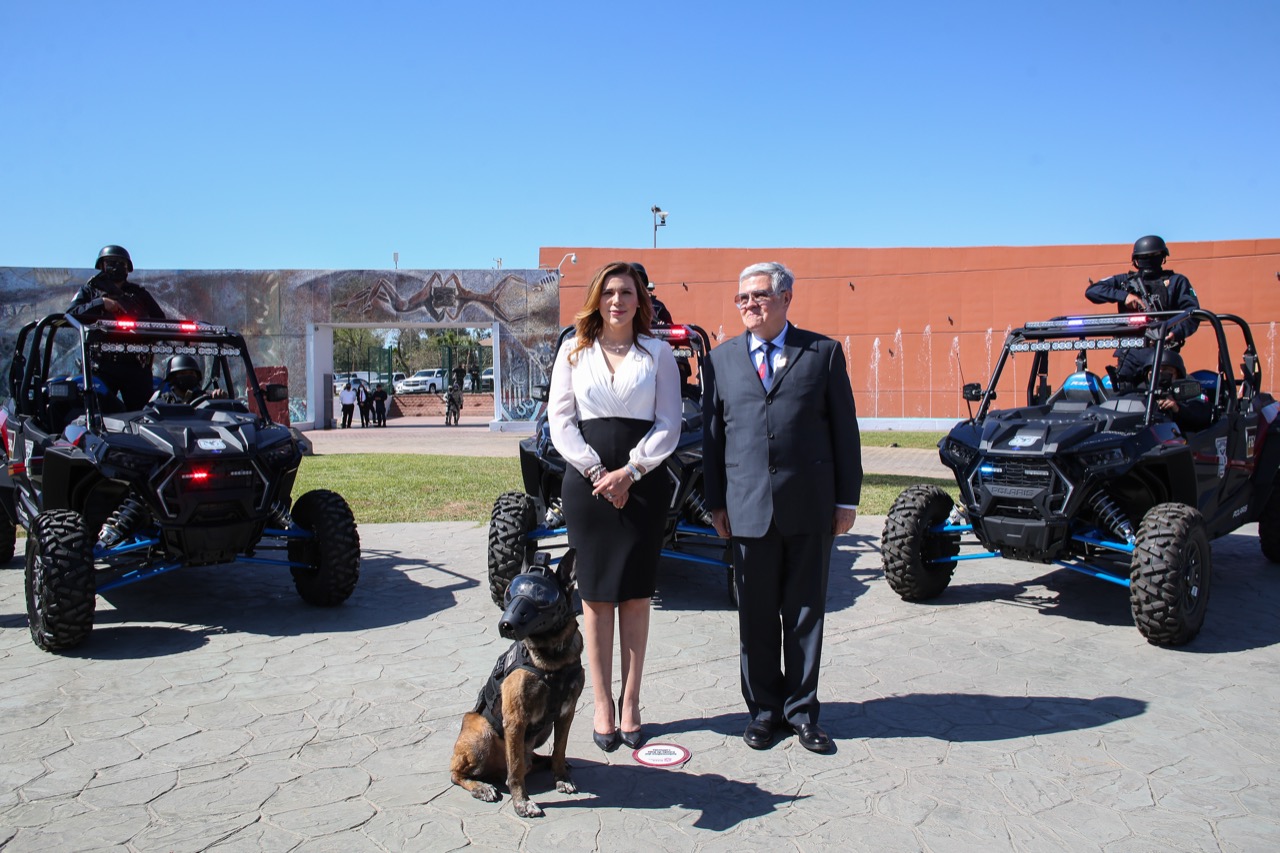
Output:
[[1079, 391]]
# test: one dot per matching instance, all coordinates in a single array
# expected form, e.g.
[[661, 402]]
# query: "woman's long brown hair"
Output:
[[590, 323]]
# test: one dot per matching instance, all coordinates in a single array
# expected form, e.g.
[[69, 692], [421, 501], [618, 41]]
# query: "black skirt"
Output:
[[617, 550]]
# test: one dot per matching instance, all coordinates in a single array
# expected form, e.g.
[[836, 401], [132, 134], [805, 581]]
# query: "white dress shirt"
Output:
[[645, 386]]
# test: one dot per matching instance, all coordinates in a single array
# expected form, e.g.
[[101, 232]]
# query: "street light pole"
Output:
[[659, 220]]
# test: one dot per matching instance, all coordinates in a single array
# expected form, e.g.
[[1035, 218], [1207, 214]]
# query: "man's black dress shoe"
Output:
[[759, 734], [813, 738], [608, 742]]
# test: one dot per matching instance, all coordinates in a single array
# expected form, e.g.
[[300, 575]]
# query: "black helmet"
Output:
[[644, 276], [114, 252], [1173, 360], [1149, 252], [183, 373]]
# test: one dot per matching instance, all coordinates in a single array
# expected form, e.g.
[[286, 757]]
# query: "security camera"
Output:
[[573, 258]]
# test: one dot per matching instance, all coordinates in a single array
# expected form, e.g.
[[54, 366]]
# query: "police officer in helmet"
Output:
[[661, 315], [1149, 287], [109, 295], [1190, 415], [183, 380]]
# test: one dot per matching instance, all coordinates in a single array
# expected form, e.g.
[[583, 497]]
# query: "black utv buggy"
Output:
[[110, 497], [1094, 477], [522, 520]]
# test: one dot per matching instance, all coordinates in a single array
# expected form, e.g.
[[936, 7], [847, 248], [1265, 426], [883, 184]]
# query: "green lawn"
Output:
[[893, 438], [399, 488]]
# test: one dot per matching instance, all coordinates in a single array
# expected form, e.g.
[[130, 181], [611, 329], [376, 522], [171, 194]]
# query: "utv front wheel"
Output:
[[1268, 527], [510, 548], [60, 585], [1171, 573], [915, 557], [331, 554]]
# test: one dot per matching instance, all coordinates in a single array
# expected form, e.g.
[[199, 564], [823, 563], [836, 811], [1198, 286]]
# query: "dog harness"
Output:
[[558, 683]]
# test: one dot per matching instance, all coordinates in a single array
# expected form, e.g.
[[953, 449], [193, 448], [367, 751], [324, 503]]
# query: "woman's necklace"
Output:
[[616, 349]]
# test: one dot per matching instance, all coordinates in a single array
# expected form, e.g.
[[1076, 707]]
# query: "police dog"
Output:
[[534, 688]]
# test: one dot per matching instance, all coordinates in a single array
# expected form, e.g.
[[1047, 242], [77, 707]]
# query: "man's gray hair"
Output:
[[780, 278]]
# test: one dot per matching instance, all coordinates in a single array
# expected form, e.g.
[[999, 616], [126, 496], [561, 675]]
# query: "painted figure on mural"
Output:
[[445, 298]]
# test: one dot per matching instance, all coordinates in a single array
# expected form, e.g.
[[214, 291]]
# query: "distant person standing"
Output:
[[365, 403], [110, 295], [347, 397], [379, 405]]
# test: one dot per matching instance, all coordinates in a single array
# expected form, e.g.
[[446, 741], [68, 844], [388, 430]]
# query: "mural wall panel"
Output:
[[273, 309]]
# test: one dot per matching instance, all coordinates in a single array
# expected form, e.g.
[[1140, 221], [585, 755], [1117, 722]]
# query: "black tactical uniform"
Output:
[[661, 316], [1158, 288], [110, 295]]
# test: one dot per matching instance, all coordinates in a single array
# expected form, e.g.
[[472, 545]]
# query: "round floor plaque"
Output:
[[661, 755]]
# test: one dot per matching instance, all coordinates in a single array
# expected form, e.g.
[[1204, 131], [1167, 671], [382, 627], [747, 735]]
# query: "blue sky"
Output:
[[328, 135]]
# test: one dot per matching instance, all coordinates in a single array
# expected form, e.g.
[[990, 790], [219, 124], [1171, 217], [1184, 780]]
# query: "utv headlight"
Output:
[[959, 452], [282, 454], [1108, 458], [130, 461]]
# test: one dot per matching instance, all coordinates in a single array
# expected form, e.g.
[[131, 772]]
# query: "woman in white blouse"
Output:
[[614, 415]]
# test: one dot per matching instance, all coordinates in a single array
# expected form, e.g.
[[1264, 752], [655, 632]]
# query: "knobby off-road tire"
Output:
[[332, 553], [1171, 574], [1268, 527], [510, 548], [8, 538], [909, 549], [60, 584]]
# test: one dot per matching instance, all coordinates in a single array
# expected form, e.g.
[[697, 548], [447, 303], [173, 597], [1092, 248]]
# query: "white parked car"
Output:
[[423, 382]]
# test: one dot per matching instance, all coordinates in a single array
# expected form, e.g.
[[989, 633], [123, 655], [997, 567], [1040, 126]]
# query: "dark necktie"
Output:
[[765, 370]]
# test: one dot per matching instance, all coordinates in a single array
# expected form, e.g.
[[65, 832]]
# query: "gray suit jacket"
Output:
[[787, 457]]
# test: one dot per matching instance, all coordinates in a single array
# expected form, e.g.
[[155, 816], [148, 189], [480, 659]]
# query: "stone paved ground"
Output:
[[211, 709]]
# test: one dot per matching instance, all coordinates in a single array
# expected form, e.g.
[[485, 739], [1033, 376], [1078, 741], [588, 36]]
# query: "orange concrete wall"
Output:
[[912, 320]]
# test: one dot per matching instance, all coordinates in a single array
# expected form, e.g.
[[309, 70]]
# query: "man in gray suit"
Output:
[[783, 473]]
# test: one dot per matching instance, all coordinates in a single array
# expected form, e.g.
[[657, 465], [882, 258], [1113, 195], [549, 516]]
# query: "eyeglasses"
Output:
[[756, 296]]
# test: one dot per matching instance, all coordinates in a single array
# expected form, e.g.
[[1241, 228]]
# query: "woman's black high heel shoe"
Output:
[[608, 742], [631, 739]]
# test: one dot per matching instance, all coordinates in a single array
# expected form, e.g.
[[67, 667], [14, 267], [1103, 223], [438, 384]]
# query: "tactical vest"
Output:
[[558, 683]]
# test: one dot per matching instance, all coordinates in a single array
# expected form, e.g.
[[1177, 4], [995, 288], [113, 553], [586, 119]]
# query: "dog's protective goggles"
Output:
[[536, 586]]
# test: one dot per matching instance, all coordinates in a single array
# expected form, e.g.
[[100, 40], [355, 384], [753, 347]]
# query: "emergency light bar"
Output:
[[672, 333], [1070, 323], [188, 326]]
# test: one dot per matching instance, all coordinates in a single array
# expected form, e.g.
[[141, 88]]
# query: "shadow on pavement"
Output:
[[253, 599], [722, 803], [954, 717]]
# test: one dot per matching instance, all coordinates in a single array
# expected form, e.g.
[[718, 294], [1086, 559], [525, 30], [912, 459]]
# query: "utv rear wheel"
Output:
[[910, 548], [60, 585], [332, 554], [1268, 527], [510, 548], [1170, 579], [8, 538]]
